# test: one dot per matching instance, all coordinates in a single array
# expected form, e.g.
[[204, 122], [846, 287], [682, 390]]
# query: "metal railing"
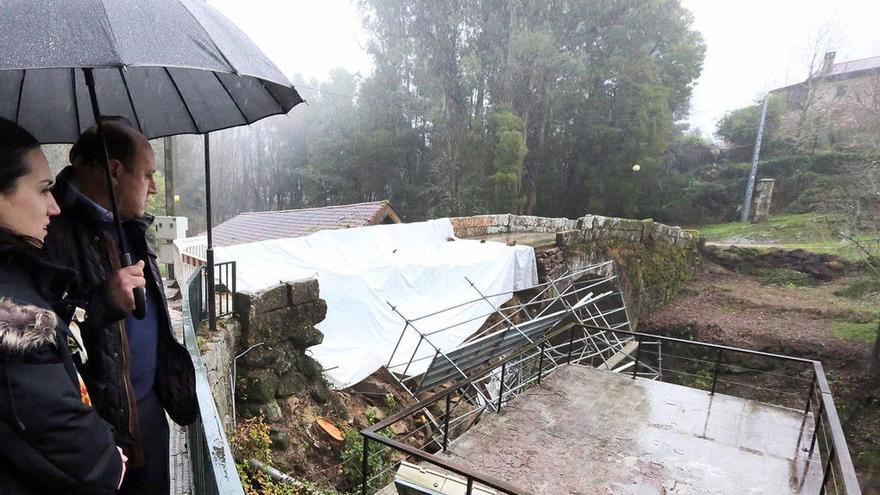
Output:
[[189, 254], [224, 283], [419, 361], [213, 467], [711, 367], [793, 391]]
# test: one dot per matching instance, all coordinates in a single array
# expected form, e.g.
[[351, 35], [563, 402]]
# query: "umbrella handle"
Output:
[[140, 295]]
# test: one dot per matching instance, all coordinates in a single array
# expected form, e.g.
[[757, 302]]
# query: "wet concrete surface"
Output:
[[179, 461], [585, 431]]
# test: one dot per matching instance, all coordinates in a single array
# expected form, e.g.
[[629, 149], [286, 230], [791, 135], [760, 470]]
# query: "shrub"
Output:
[[783, 277]]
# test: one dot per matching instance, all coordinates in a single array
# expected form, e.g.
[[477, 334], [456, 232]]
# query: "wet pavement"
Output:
[[181, 473], [586, 431]]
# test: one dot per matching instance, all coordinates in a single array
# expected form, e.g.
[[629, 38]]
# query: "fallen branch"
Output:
[[301, 487]]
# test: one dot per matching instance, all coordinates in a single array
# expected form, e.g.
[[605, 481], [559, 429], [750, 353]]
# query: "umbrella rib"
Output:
[[217, 76], [182, 99], [130, 100], [280, 106], [75, 100], [20, 91]]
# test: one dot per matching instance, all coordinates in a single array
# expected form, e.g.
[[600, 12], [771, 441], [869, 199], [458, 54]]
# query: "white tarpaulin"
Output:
[[360, 271]]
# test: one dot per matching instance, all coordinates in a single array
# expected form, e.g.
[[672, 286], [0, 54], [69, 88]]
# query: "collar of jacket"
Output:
[[70, 198], [25, 328], [18, 258]]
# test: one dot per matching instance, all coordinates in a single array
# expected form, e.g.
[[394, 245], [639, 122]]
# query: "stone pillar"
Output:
[[280, 322], [763, 195]]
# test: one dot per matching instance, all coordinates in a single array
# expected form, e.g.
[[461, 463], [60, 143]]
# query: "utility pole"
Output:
[[747, 202], [169, 188], [169, 176]]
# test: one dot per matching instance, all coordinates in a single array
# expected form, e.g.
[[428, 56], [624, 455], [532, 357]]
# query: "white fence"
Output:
[[189, 254]]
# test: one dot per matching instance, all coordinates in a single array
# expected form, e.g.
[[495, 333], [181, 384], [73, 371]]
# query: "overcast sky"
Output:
[[752, 45]]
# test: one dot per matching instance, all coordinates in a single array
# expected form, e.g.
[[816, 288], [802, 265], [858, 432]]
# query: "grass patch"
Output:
[[783, 277], [868, 458], [800, 227], [860, 288], [864, 332], [808, 231]]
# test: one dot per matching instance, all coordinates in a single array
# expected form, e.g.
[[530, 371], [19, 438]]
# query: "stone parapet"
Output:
[[487, 225], [217, 354], [652, 259]]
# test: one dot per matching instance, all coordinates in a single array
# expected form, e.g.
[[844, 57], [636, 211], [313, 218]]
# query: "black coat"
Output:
[[50, 441], [77, 241]]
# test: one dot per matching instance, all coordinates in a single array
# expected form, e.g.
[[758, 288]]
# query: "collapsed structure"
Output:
[[532, 373]]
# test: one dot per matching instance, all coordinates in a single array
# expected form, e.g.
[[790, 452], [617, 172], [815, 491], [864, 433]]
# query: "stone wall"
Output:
[[485, 225], [652, 259], [217, 355], [280, 323]]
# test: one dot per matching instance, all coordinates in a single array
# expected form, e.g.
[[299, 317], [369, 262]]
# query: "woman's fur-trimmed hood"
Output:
[[24, 328]]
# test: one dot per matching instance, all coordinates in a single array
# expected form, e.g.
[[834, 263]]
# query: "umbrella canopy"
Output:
[[168, 66]]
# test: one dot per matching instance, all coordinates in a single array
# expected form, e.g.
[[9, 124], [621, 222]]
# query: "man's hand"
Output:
[[121, 284]]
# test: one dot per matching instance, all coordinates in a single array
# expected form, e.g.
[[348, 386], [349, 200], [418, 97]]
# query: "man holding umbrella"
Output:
[[134, 368], [169, 67]]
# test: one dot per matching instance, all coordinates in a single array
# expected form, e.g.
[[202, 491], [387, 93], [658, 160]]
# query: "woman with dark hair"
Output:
[[51, 440]]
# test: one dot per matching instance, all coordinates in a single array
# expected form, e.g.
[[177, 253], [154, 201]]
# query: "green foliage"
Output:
[[390, 403], [688, 152], [740, 127], [860, 288], [784, 277], [507, 163], [351, 456], [814, 232], [863, 332], [252, 441], [785, 229], [472, 107]]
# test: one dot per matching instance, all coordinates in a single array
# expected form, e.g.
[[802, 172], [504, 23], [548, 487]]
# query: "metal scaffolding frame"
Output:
[[583, 298]]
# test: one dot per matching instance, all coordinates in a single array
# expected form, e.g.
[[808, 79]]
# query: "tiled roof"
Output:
[[854, 66], [264, 225]]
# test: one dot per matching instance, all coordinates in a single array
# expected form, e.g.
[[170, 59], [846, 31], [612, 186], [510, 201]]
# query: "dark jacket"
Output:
[[76, 240], [50, 441]]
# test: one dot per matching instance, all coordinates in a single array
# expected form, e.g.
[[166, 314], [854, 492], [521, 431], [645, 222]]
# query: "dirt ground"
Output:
[[313, 454], [724, 306]]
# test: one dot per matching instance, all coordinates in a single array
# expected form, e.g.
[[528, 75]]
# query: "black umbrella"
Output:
[[168, 66]]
